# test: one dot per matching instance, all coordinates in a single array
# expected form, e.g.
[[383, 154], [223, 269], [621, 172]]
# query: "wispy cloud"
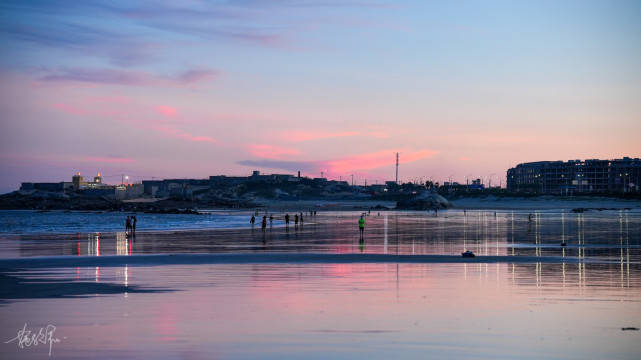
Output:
[[375, 160], [119, 48], [304, 166], [300, 136], [108, 159], [69, 109], [126, 77], [271, 152], [344, 165], [134, 114], [166, 110]]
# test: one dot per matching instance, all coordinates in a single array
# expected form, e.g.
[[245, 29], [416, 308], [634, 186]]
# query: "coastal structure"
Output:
[[576, 176]]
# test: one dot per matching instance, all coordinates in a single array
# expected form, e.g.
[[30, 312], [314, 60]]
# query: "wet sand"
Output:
[[316, 291]]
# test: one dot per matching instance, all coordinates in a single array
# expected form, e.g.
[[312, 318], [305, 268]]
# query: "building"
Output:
[[575, 176], [50, 187], [78, 181]]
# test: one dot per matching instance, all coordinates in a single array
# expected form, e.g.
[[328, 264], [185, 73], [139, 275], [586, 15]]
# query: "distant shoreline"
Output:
[[543, 202], [466, 201]]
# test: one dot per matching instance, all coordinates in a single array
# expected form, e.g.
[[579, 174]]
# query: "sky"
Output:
[[189, 89]]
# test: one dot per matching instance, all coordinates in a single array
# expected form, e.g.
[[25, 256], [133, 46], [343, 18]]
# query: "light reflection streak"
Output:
[[627, 247], [122, 244], [621, 246], [512, 230], [465, 233], [385, 234], [93, 244]]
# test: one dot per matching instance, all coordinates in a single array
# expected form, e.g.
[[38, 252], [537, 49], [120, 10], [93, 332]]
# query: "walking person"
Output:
[[252, 220], [301, 219], [127, 226], [133, 226], [263, 225], [287, 221], [271, 220], [296, 221], [361, 227]]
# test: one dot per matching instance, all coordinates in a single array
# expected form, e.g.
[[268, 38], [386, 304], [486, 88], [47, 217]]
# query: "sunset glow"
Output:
[[193, 89]]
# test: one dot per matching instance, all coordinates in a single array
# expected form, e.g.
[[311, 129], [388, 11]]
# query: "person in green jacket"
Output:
[[361, 225]]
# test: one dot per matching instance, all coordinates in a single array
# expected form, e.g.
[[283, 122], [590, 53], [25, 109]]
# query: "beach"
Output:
[[317, 291]]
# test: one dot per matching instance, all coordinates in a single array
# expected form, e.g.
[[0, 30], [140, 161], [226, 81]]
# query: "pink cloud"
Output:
[[166, 110], [271, 152], [375, 160], [300, 136], [69, 109]]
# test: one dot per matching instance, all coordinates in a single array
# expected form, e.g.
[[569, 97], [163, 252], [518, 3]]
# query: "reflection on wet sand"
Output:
[[276, 306], [586, 235]]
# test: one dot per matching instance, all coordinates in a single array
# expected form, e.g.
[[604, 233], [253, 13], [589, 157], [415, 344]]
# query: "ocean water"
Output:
[[61, 222]]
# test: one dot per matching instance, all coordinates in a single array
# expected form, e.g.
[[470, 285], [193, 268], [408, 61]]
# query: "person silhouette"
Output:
[[361, 227]]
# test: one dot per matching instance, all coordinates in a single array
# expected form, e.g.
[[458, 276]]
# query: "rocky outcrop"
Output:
[[424, 201]]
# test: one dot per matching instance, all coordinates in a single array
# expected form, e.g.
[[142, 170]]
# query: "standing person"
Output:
[[287, 221], [127, 226], [271, 220], [361, 226], [301, 219], [296, 220], [252, 220], [133, 225], [263, 225]]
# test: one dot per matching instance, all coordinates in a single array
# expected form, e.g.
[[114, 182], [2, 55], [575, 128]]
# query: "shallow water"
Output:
[[60, 222], [612, 235], [572, 306]]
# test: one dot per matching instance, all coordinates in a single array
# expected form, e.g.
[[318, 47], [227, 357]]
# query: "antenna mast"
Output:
[[396, 168]]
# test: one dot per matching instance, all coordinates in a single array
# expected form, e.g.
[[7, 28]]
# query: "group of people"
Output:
[[298, 219], [263, 224], [130, 226]]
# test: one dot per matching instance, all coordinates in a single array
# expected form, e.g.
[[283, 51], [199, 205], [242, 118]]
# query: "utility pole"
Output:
[[397, 168]]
